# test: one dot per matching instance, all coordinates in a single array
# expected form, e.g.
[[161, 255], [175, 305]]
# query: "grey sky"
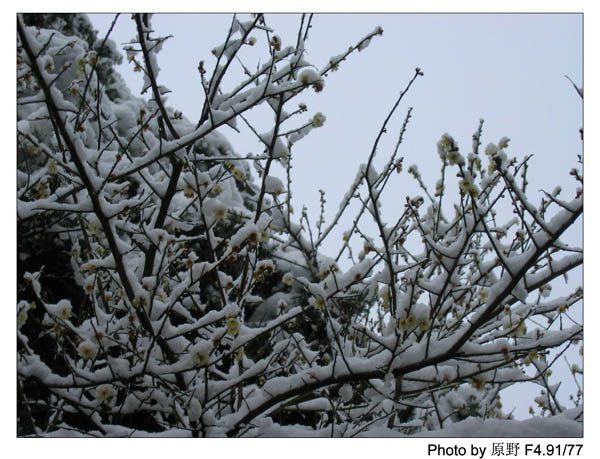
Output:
[[505, 68], [508, 69]]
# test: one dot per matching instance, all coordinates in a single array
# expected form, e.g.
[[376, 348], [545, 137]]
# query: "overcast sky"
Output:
[[508, 69]]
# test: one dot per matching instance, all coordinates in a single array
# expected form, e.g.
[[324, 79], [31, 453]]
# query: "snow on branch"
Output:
[[166, 287]]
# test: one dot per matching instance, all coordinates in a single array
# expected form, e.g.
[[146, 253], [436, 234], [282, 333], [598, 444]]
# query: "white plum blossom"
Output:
[[51, 166], [239, 174], [280, 150], [276, 42], [220, 211], [80, 65], [274, 185], [287, 279], [503, 142], [87, 350], [468, 187], [308, 76], [22, 318], [105, 392], [445, 144], [318, 120], [454, 157], [64, 310], [311, 77], [233, 326], [491, 149], [448, 150], [188, 190], [201, 358]]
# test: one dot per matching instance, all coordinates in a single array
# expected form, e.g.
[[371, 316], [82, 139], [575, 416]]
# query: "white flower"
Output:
[[22, 318], [503, 143], [233, 326], [131, 52], [276, 42], [87, 350], [446, 142], [239, 174], [468, 187], [273, 185], [317, 303], [491, 149], [287, 279], [92, 57], [47, 321], [47, 62], [88, 285], [445, 145], [423, 323], [51, 166], [520, 330], [414, 171], [333, 267], [439, 187], [220, 212], [264, 235], [280, 151], [64, 309], [454, 157], [80, 65], [201, 359], [188, 190], [308, 76], [478, 382], [104, 392], [318, 120], [94, 226]]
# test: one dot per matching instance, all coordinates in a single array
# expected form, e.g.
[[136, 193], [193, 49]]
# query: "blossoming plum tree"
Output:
[[164, 288]]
